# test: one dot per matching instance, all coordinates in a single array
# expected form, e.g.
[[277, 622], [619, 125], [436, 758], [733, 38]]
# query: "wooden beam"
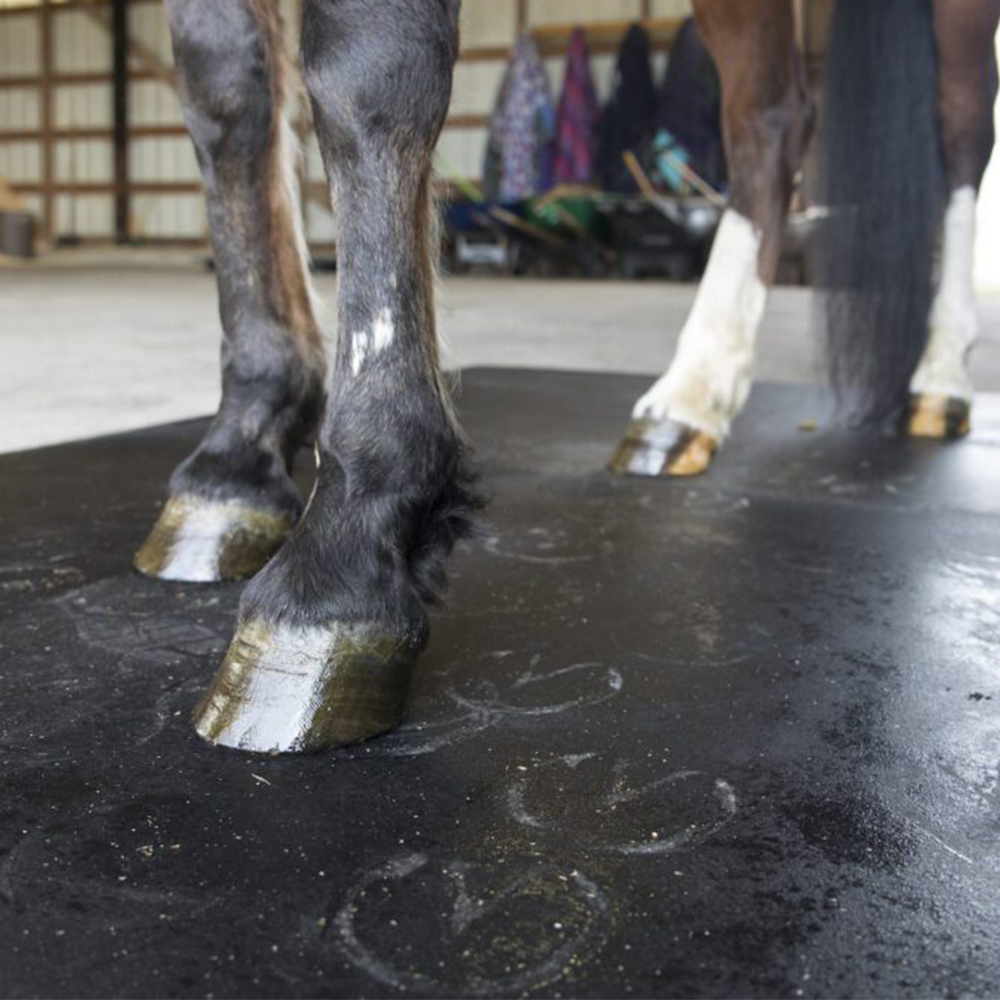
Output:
[[72, 79], [96, 132], [48, 153], [27, 9], [603, 38], [107, 187], [102, 13], [119, 102]]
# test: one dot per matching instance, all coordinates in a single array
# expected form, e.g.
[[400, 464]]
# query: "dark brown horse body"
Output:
[[331, 624]]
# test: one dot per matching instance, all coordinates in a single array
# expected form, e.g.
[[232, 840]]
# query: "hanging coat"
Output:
[[576, 117], [690, 104], [519, 150], [630, 114]]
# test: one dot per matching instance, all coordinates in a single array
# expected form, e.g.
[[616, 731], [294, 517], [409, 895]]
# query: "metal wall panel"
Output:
[[20, 162], [19, 45], [169, 216], [85, 215], [80, 44], [147, 24], [82, 105], [20, 108], [153, 102], [169, 159], [581, 11], [83, 161], [670, 8], [462, 150], [488, 23], [475, 87]]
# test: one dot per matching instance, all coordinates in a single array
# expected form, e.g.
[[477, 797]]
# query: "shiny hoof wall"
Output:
[[664, 448], [203, 540], [943, 417], [292, 689]]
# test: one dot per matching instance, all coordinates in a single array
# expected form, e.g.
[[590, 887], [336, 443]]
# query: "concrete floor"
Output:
[[94, 342]]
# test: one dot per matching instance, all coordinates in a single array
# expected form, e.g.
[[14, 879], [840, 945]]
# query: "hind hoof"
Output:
[[665, 448], [291, 689], [203, 541], [943, 417]]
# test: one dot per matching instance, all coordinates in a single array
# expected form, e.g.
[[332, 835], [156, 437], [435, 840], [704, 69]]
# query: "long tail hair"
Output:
[[882, 177]]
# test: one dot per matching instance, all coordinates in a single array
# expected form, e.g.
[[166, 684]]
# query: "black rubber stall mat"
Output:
[[732, 736]]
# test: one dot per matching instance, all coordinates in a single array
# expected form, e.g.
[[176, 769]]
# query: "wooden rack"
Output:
[[603, 38]]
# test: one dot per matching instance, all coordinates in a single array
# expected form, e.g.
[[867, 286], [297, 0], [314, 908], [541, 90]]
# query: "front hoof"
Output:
[[203, 541], [286, 689], [664, 448], [931, 416]]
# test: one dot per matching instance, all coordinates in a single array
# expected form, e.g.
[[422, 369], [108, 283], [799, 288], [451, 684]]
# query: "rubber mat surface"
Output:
[[733, 736]]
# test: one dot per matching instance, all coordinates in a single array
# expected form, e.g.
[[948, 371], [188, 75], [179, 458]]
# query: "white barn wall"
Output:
[[20, 108], [19, 48], [82, 46]]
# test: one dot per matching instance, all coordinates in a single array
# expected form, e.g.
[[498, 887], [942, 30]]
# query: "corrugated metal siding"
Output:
[[19, 48], [20, 107], [81, 45], [21, 162]]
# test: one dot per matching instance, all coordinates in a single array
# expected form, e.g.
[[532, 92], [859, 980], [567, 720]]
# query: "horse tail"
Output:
[[882, 177]]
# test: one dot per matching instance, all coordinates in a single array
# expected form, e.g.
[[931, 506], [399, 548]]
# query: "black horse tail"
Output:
[[882, 177]]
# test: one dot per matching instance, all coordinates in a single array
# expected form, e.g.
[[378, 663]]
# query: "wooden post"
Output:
[[119, 51], [522, 17], [48, 152]]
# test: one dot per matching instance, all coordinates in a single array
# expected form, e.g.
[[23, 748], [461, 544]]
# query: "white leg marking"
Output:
[[954, 322], [366, 344], [709, 379]]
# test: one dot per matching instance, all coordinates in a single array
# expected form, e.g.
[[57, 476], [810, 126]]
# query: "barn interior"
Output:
[[733, 735]]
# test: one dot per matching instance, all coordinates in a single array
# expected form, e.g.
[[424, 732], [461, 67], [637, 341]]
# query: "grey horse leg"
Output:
[[233, 501]]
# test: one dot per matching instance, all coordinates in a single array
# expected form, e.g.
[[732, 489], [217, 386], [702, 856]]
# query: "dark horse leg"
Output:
[[232, 502], [330, 628], [941, 390], [678, 424]]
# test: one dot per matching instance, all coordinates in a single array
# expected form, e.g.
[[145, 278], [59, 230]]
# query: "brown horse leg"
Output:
[[233, 501], [330, 628], [677, 425], [941, 390]]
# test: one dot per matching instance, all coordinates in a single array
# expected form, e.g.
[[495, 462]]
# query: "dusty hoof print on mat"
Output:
[[483, 703], [625, 813], [478, 930], [944, 417], [665, 448], [286, 688], [204, 541], [540, 691]]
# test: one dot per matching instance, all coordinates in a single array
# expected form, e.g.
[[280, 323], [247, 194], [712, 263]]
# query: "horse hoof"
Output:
[[936, 416], [203, 540], [289, 689], [665, 448]]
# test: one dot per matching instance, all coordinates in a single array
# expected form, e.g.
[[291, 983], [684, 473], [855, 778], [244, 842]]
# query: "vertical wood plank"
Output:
[[48, 153], [119, 60]]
